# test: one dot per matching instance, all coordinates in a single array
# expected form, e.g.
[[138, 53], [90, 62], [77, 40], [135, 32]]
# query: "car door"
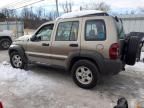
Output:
[[66, 40], [38, 48]]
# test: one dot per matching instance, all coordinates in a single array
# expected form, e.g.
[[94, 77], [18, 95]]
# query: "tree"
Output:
[[13, 13], [141, 10], [102, 6], [27, 13], [2, 16], [6, 12], [97, 6], [52, 15], [9, 13], [67, 6], [132, 12], [39, 12]]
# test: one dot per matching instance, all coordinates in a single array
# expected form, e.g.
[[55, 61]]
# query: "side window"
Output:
[[44, 34], [95, 30], [67, 31]]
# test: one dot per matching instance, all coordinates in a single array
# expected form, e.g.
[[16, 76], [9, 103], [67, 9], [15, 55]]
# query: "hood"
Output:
[[6, 32], [24, 38]]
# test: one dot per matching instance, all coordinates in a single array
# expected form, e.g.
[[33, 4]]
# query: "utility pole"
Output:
[[57, 10]]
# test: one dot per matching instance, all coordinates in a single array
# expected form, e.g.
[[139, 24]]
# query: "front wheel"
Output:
[[17, 60], [85, 74]]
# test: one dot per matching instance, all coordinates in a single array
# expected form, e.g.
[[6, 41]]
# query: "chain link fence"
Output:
[[16, 27]]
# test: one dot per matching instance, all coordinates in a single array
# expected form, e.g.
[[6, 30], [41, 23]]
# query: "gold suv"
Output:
[[89, 44]]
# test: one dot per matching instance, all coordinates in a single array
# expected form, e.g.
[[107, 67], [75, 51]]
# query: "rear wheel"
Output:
[[85, 74], [5, 43]]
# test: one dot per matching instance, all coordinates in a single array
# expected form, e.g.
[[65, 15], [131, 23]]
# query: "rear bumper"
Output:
[[112, 67]]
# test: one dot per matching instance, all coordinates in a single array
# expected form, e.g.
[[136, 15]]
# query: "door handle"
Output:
[[45, 44], [73, 45]]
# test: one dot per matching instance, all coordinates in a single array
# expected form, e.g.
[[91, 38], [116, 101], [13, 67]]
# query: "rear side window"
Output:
[[95, 30], [120, 29], [67, 31]]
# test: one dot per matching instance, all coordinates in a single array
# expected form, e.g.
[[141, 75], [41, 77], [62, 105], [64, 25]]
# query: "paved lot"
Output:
[[46, 87]]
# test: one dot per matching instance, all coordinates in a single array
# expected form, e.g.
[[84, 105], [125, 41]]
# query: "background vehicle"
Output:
[[89, 44], [5, 39]]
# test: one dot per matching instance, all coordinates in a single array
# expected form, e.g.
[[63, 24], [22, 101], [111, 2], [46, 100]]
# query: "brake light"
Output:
[[114, 51], [1, 106]]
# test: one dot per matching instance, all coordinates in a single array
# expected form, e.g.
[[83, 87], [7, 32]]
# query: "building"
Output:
[[133, 23]]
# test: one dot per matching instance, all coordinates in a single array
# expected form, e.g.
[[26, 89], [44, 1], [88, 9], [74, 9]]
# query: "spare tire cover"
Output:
[[132, 50]]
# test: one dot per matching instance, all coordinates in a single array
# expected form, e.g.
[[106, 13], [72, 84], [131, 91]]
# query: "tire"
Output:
[[90, 69], [19, 60], [132, 50], [5, 44]]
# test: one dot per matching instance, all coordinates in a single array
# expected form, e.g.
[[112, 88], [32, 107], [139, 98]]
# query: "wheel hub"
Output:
[[84, 75], [17, 61], [5, 44]]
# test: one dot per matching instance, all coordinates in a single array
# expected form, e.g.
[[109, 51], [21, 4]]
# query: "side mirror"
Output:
[[32, 38]]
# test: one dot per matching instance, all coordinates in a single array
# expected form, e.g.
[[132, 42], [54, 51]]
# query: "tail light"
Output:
[[114, 51], [1, 106]]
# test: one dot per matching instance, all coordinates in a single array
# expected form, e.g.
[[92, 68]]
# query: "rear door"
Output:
[[94, 35], [66, 40]]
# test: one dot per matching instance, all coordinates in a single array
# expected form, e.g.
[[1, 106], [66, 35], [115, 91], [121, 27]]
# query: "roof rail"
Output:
[[84, 13]]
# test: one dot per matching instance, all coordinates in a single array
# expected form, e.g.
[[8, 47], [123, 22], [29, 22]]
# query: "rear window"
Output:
[[95, 30]]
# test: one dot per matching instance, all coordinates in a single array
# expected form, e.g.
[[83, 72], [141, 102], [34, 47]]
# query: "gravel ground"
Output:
[[47, 87]]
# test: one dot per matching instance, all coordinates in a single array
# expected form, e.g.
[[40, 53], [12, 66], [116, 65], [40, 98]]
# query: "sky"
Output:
[[115, 4]]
